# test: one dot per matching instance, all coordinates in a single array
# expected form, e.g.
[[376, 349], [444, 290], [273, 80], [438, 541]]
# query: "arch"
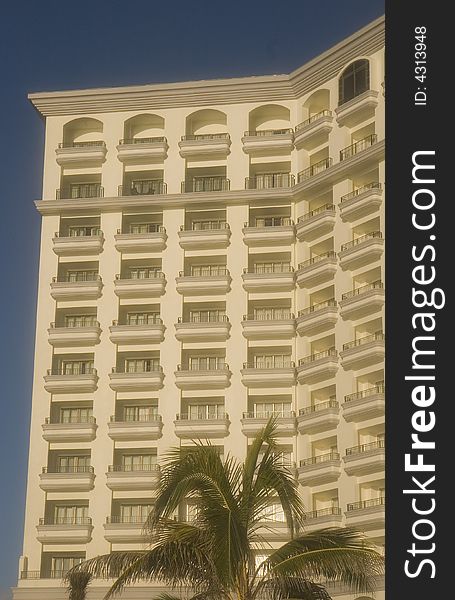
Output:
[[316, 103], [269, 116], [354, 80], [206, 121], [85, 129], [143, 125]]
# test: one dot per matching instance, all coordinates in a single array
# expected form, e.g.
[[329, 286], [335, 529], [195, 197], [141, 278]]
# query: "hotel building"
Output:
[[212, 252]]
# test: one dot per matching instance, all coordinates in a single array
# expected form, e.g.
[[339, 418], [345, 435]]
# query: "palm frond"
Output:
[[78, 582]]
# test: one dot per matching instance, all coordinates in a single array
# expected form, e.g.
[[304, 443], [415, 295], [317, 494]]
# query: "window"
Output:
[[205, 411], [140, 413], [75, 415], [354, 80], [138, 462], [205, 363], [72, 515], [80, 321], [145, 318], [77, 367], [134, 513]]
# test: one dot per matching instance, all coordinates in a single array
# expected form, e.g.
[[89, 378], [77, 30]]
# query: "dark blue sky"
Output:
[[52, 45]]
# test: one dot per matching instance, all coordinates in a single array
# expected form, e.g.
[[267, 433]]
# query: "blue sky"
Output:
[[52, 45]]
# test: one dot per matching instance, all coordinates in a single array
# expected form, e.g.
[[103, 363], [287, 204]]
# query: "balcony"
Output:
[[268, 141], [217, 377], [313, 170], [317, 318], [85, 154], [362, 301], [359, 146], [366, 515], [315, 223], [149, 333], [147, 428], [188, 428], [323, 416], [313, 131], [152, 241], [122, 478], [145, 381], [318, 367], [361, 202], [88, 288], [324, 517], [216, 281], [317, 269], [78, 244], [361, 251], [320, 469], [269, 181], [86, 335], [273, 278], [253, 422], [143, 187], [71, 530], [254, 375], [80, 190], [280, 233], [215, 328], [43, 574], [120, 529], [140, 150], [358, 109], [74, 430], [364, 351], [58, 382], [153, 285], [365, 459], [207, 145], [214, 234], [279, 326], [67, 479], [367, 404], [206, 184]]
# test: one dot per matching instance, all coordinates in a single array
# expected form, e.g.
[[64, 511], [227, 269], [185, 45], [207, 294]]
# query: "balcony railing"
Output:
[[372, 391], [151, 418], [267, 132], [379, 444], [313, 118], [361, 239], [279, 316], [269, 269], [44, 574], [323, 512], [186, 417], [375, 285], [316, 307], [149, 227], [126, 520], [79, 419], [151, 274], [378, 336], [82, 232], [271, 222], [138, 369], [358, 146], [276, 414], [150, 320], [269, 181], [206, 226], [84, 190], [366, 504], [331, 352], [221, 366], [316, 259], [204, 136], [79, 325], [144, 140], [80, 276], [374, 185], [143, 187], [133, 468], [65, 521], [308, 410], [87, 144], [321, 458], [275, 364], [73, 372], [205, 319], [318, 167], [206, 184], [326, 208], [214, 271], [68, 469]]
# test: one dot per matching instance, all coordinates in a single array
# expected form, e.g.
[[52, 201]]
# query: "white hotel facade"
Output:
[[211, 252]]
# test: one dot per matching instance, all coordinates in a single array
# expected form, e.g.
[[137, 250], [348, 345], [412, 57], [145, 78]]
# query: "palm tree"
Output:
[[215, 555]]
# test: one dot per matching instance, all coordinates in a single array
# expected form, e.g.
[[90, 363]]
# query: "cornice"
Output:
[[267, 88]]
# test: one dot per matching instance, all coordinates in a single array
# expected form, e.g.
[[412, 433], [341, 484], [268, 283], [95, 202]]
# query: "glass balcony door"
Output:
[[206, 316], [268, 409], [80, 321], [78, 276], [272, 267], [138, 462], [205, 411], [61, 564], [271, 314], [272, 361], [208, 270], [75, 415], [140, 413], [68, 464], [70, 514], [82, 231], [77, 367], [143, 272], [134, 513], [205, 363], [145, 318], [141, 365]]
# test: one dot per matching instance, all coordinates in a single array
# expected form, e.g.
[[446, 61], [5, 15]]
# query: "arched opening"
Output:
[[316, 104], [354, 80], [82, 131], [142, 127], [206, 122], [269, 117]]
